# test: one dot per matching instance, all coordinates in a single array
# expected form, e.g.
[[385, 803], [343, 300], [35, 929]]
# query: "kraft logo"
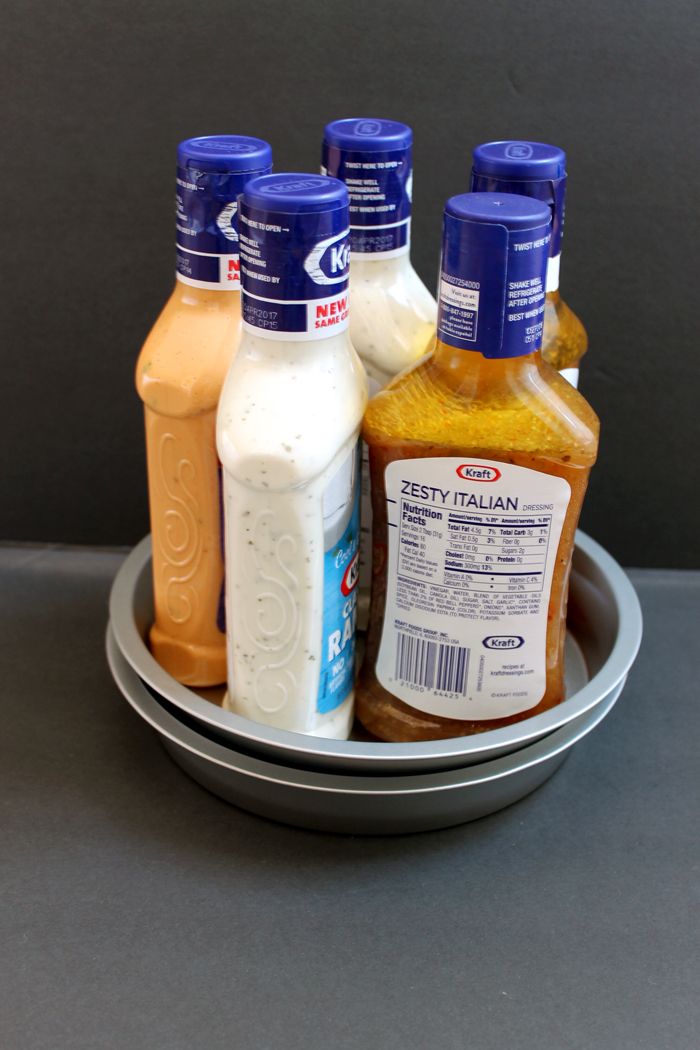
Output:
[[295, 186], [224, 221], [473, 472], [352, 575], [230, 147], [503, 641], [519, 151], [336, 261], [368, 128]]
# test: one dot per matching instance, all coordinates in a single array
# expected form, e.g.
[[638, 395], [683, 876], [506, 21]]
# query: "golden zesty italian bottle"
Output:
[[479, 459], [535, 169], [179, 376]]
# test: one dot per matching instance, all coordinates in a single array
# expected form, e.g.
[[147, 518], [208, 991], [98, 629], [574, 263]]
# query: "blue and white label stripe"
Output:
[[208, 270]]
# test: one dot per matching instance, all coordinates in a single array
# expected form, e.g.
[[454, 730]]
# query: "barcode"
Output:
[[432, 664]]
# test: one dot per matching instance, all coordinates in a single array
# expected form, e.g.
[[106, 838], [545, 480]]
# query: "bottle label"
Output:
[[294, 273], [380, 185], [366, 507], [472, 550], [551, 191], [341, 563], [207, 227], [365, 522], [492, 300]]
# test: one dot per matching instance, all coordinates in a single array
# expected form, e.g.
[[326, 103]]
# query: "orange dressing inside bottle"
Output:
[[479, 466], [564, 341], [179, 376]]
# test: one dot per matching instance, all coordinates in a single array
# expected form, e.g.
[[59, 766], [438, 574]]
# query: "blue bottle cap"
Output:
[[513, 212], [528, 168], [495, 248], [295, 256], [367, 135], [296, 192], [224, 153], [520, 160]]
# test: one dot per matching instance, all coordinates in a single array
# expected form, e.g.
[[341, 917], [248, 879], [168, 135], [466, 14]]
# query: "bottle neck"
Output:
[[197, 295], [371, 265], [479, 377], [304, 353]]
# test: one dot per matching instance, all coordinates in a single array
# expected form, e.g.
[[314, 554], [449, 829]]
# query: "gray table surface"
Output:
[[139, 911]]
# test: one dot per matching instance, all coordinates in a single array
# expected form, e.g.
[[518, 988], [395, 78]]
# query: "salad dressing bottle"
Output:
[[392, 313], [537, 170], [480, 456], [288, 436], [179, 376]]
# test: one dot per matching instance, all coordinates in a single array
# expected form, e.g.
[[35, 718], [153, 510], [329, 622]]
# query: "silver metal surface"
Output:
[[604, 617], [358, 805]]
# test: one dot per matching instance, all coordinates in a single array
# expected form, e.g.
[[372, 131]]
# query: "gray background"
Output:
[[139, 912], [98, 95]]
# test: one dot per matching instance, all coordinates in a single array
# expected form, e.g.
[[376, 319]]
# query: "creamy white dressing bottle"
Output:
[[393, 316], [288, 437]]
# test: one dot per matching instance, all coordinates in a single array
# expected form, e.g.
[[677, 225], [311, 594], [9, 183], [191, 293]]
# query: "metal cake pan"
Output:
[[604, 618], [358, 805]]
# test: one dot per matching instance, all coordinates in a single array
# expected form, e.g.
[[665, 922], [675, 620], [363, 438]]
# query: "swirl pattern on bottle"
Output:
[[179, 538], [285, 634]]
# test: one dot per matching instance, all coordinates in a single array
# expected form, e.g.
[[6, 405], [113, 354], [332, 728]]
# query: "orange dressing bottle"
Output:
[[479, 459], [179, 377], [537, 170]]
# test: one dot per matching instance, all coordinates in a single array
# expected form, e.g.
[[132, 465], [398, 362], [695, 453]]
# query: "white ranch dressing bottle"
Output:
[[393, 316], [288, 437]]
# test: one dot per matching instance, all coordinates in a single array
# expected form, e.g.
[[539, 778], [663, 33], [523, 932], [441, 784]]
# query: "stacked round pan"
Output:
[[361, 786]]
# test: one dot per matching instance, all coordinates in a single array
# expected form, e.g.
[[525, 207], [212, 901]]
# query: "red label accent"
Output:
[[352, 575], [475, 472]]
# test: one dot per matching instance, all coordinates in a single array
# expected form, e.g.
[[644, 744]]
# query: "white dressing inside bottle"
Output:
[[393, 316], [288, 437]]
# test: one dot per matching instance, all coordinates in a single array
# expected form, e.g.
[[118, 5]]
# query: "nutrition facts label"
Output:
[[493, 553], [472, 548]]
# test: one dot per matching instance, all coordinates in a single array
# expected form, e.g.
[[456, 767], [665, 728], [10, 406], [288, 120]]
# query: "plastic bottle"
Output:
[[179, 376], [392, 313], [288, 437], [537, 170], [480, 457]]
